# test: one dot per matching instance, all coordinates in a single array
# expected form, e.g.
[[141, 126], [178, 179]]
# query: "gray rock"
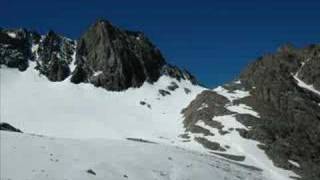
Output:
[[177, 73], [210, 145], [164, 92], [173, 86], [187, 90], [215, 106], [7, 127]]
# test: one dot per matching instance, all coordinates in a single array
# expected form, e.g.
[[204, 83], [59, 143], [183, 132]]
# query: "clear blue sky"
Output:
[[215, 40]]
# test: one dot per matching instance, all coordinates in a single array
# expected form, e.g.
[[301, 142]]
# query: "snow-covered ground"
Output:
[[88, 126], [63, 109], [32, 157]]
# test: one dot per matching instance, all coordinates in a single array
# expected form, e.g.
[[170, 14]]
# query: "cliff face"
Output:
[[287, 95], [283, 89], [14, 48], [116, 59], [54, 54]]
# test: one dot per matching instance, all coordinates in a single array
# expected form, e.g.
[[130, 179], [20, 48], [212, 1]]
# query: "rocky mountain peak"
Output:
[[105, 56], [116, 59]]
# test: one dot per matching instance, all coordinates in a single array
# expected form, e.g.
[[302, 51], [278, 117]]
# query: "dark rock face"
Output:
[[8, 127], [289, 123], [55, 55], [115, 59], [14, 48], [310, 72], [291, 114]]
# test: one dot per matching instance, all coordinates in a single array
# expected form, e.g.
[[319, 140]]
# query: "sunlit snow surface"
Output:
[[24, 156], [63, 109]]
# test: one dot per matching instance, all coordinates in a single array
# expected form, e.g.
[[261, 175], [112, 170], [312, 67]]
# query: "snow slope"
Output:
[[47, 158], [86, 114], [63, 109]]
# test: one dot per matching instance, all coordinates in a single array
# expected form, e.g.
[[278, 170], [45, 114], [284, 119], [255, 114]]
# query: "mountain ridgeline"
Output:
[[284, 90], [105, 56]]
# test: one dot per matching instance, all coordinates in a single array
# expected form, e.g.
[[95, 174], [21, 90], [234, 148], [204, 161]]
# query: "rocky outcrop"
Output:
[[177, 73], [14, 48], [55, 54], [206, 105], [7, 127]]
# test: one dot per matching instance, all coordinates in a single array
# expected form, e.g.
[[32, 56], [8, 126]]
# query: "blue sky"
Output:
[[215, 40]]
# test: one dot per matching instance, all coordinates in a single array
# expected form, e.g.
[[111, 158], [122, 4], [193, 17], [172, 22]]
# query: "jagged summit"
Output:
[[105, 56], [115, 59]]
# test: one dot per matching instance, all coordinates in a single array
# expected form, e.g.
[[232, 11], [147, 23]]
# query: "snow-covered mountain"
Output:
[[108, 106], [274, 102]]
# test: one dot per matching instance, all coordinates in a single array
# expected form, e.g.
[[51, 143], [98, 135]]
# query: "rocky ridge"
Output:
[[281, 109], [105, 56]]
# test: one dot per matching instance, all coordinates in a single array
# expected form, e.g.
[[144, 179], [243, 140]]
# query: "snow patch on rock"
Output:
[[234, 95], [203, 106], [12, 34], [243, 109]]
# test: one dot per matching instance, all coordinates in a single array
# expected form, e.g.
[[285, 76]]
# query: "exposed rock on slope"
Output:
[[15, 48], [54, 55], [283, 88], [7, 127]]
